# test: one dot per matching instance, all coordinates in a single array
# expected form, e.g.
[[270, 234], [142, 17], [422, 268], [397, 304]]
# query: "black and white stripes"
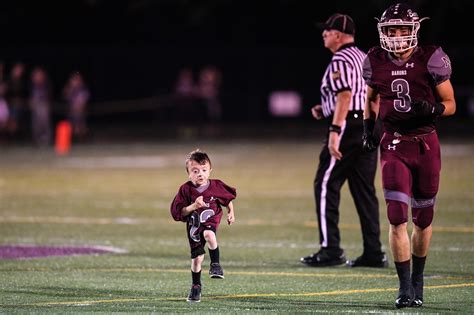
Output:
[[344, 73]]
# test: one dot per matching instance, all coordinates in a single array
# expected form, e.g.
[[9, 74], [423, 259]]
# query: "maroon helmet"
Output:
[[399, 15]]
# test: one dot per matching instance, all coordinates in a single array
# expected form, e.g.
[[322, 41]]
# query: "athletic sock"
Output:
[[196, 277], [417, 274], [214, 254], [403, 271]]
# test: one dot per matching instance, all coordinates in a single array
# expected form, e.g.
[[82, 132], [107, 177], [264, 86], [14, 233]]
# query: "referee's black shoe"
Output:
[[324, 258], [366, 261]]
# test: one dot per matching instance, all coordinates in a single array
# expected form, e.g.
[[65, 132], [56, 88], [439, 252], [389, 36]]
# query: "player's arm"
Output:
[[230, 213], [446, 94], [371, 112], [372, 103]]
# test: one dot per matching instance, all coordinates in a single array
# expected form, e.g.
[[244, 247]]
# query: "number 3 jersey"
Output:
[[400, 82], [216, 195]]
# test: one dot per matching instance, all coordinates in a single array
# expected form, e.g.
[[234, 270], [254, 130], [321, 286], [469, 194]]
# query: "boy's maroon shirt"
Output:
[[218, 194]]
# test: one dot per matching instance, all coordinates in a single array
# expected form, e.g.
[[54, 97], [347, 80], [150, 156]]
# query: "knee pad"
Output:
[[422, 217], [397, 212]]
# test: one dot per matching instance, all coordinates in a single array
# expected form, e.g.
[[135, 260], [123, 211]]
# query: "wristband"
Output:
[[438, 109], [335, 128]]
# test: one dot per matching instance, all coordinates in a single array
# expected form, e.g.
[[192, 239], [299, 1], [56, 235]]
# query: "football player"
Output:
[[409, 88], [199, 203]]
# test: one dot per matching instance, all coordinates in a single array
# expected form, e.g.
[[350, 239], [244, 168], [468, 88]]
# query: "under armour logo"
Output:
[[410, 65], [392, 147]]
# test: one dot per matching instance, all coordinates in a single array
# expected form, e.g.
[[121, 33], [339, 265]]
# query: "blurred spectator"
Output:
[[17, 98], [185, 86], [208, 90], [77, 95], [40, 105], [184, 97], [4, 112]]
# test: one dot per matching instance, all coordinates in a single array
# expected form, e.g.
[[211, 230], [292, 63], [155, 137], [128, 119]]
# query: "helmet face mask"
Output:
[[402, 17], [398, 43]]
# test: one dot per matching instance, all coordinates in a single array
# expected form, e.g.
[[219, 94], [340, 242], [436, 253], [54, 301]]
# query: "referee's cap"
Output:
[[340, 22]]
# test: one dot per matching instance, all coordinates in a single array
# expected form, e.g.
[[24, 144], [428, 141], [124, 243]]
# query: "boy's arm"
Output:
[[230, 213], [199, 203]]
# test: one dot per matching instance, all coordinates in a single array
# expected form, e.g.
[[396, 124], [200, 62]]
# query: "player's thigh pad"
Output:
[[396, 180]]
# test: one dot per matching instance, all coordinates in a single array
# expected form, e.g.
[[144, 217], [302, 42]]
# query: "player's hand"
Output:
[[333, 145], [230, 218], [317, 111], [425, 108], [199, 202], [369, 143]]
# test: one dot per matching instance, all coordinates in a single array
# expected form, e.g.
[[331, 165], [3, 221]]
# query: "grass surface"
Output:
[[119, 196]]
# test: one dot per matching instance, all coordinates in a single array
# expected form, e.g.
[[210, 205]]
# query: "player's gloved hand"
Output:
[[425, 108], [369, 143]]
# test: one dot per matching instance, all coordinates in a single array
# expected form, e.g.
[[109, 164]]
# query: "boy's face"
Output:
[[199, 173]]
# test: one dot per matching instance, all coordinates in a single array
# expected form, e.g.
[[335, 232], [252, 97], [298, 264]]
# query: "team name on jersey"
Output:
[[399, 72]]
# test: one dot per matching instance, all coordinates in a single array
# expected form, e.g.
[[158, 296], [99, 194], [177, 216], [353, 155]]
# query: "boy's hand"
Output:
[[230, 218], [199, 203]]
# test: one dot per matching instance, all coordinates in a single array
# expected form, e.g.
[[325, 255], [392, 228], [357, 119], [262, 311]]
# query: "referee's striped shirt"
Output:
[[344, 73]]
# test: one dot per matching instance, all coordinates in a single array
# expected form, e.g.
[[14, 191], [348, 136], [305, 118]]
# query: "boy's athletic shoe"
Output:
[[195, 293], [216, 271]]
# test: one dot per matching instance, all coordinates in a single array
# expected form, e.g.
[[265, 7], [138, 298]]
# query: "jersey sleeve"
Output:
[[340, 76], [367, 72], [179, 202], [226, 193], [439, 66]]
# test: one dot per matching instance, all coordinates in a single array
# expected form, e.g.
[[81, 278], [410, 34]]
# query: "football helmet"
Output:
[[399, 15]]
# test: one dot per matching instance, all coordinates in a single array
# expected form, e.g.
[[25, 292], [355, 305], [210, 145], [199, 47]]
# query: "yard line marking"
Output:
[[145, 221], [73, 220], [238, 296], [337, 292], [242, 273]]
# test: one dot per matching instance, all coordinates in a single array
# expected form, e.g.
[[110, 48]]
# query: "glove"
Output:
[[425, 108], [369, 143]]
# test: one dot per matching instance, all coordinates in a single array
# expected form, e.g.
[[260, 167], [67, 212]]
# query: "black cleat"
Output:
[[417, 301], [216, 271], [323, 258], [195, 293], [364, 261], [405, 298]]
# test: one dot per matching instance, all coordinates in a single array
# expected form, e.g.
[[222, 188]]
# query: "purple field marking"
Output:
[[29, 251]]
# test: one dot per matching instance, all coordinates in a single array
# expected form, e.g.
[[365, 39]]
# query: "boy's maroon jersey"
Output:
[[218, 194], [400, 82]]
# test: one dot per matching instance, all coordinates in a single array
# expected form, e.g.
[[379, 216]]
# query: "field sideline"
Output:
[[117, 196]]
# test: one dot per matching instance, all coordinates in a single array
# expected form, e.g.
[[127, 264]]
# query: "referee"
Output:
[[343, 93]]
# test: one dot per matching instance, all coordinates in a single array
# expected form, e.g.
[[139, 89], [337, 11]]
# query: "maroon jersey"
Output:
[[216, 195], [400, 82]]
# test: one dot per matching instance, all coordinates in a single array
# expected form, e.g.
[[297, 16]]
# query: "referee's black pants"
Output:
[[358, 168]]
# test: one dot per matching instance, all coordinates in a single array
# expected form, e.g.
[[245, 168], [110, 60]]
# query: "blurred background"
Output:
[[181, 68]]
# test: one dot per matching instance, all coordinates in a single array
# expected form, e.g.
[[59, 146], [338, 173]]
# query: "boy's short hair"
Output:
[[197, 156]]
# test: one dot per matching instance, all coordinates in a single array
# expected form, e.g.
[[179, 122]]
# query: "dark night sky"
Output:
[[131, 49]]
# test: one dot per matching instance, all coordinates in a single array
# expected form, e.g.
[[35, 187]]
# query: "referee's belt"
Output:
[[352, 115]]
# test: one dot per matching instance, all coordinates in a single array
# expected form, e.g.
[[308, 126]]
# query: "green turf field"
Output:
[[118, 196]]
